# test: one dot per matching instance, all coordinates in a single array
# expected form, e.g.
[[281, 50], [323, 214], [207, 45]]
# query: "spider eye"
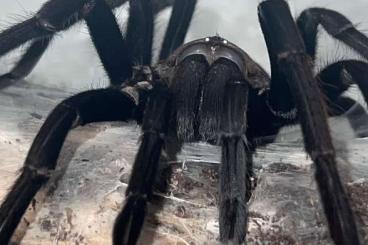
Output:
[[207, 39], [225, 41]]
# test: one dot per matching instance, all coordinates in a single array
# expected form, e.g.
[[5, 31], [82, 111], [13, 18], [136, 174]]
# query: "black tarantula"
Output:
[[206, 90]]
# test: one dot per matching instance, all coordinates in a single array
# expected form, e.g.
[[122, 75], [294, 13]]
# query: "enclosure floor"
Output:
[[80, 205]]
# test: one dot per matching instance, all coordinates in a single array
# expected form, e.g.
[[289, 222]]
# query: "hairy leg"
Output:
[[223, 118], [335, 24], [336, 79], [139, 35], [29, 59], [129, 222], [41, 39], [286, 48], [178, 26], [83, 108], [54, 16], [112, 49]]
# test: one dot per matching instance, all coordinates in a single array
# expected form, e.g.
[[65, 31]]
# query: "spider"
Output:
[[206, 90]]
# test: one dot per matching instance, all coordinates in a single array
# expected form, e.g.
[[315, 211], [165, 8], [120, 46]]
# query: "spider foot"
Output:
[[129, 223]]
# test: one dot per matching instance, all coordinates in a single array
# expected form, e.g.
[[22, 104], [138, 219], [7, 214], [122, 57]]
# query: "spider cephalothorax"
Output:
[[206, 90]]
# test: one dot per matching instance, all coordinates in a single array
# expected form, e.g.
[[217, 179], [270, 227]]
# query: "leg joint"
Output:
[[45, 24]]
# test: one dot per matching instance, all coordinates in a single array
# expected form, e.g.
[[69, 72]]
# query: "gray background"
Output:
[[72, 64]]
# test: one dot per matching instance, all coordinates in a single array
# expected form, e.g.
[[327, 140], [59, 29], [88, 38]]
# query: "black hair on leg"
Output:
[[111, 47], [129, 222], [337, 25], [285, 44], [83, 108], [29, 59], [139, 35], [335, 79], [178, 26], [338, 77], [20, 33], [38, 30], [233, 169], [54, 16]]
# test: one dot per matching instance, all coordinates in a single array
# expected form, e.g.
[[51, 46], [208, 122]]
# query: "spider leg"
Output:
[[42, 35], [355, 113], [53, 16], [336, 79], [223, 110], [129, 222], [335, 24], [236, 161], [83, 108], [287, 51], [112, 49], [29, 59], [178, 26], [139, 35], [118, 55]]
